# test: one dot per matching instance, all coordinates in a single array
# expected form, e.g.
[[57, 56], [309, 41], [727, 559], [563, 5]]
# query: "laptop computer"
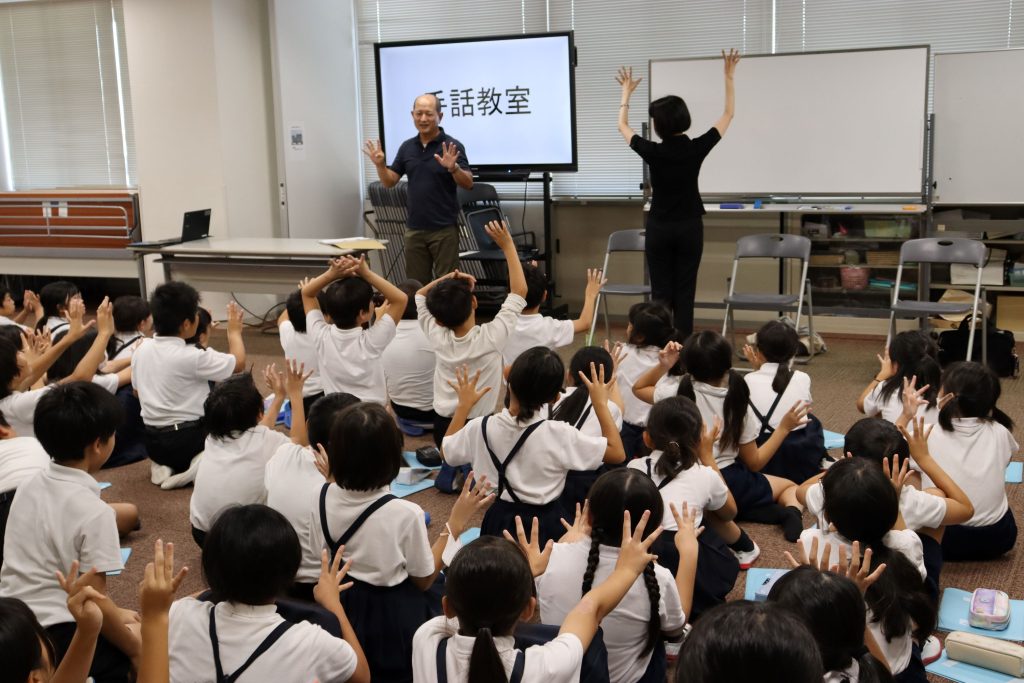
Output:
[[195, 226]]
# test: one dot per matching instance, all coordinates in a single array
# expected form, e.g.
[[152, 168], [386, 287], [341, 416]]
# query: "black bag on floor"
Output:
[[1002, 357]]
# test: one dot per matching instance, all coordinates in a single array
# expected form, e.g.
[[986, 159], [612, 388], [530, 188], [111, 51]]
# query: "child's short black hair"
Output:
[[54, 296], [296, 313], [874, 438], [173, 304], [70, 417], [22, 641], [322, 413], [536, 285], [652, 324], [72, 356], [4, 291], [365, 449], [129, 313], [13, 333], [450, 302], [250, 555], [8, 364], [233, 406], [409, 288], [535, 379], [345, 299], [205, 320]]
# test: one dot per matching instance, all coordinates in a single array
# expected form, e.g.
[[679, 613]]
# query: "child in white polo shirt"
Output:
[[58, 518], [409, 363], [55, 299], [17, 373], [9, 314], [348, 355], [241, 439], [297, 344], [447, 313], [172, 380], [534, 329]]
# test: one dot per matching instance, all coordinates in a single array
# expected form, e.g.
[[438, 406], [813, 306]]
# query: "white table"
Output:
[[271, 265]]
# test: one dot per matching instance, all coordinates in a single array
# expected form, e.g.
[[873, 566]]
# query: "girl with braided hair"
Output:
[[655, 607]]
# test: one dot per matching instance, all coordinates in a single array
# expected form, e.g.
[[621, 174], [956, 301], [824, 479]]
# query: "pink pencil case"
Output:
[[990, 609]]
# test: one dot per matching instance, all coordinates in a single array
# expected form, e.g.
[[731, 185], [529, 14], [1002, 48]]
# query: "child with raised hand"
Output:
[[649, 329], [721, 394], [910, 354], [773, 386], [156, 595], [249, 560], [393, 565], [133, 323], [830, 601], [241, 441], [489, 589], [348, 356], [447, 313], [528, 456], [18, 400], [973, 445], [55, 299], [534, 329], [683, 468], [656, 606], [27, 317], [297, 344], [861, 503]]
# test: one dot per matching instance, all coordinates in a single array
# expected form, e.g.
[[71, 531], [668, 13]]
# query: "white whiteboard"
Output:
[[979, 127], [827, 123]]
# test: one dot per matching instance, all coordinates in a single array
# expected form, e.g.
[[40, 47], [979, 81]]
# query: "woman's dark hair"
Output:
[[72, 356], [8, 365], [862, 504], [244, 538], [205, 320], [975, 388], [734, 640], [833, 610], [708, 357], [22, 640], [571, 408], [652, 324], [172, 305], [670, 116], [778, 343], [915, 355], [612, 494], [321, 416], [365, 449], [488, 585], [873, 438], [345, 299], [296, 312], [232, 407], [450, 302], [674, 425], [53, 297], [535, 379], [409, 288], [129, 312]]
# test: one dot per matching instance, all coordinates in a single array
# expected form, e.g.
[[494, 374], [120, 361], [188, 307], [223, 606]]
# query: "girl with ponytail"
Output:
[[489, 589], [862, 505], [527, 455], [683, 468], [773, 385], [833, 610], [656, 605], [910, 354], [721, 394], [55, 299], [973, 444]]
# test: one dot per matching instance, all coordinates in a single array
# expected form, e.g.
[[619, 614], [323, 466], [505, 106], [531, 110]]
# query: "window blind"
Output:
[[609, 34], [66, 103]]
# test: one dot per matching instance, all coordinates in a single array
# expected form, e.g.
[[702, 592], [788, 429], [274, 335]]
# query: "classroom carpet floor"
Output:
[[838, 377]]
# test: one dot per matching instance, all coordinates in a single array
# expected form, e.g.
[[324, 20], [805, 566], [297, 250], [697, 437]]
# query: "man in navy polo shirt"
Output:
[[435, 163]]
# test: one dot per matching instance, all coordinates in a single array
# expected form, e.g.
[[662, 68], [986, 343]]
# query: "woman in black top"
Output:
[[675, 228]]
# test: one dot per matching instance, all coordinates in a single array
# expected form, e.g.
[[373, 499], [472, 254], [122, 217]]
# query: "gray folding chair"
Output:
[[773, 246], [389, 220], [927, 250], [620, 241]]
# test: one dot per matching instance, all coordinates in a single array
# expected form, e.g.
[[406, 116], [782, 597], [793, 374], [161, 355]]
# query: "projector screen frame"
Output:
[[494, 170]]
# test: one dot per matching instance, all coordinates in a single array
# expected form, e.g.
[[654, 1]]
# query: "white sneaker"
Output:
[[748, 557], [158, 474], [931, 650], [182, 479]]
